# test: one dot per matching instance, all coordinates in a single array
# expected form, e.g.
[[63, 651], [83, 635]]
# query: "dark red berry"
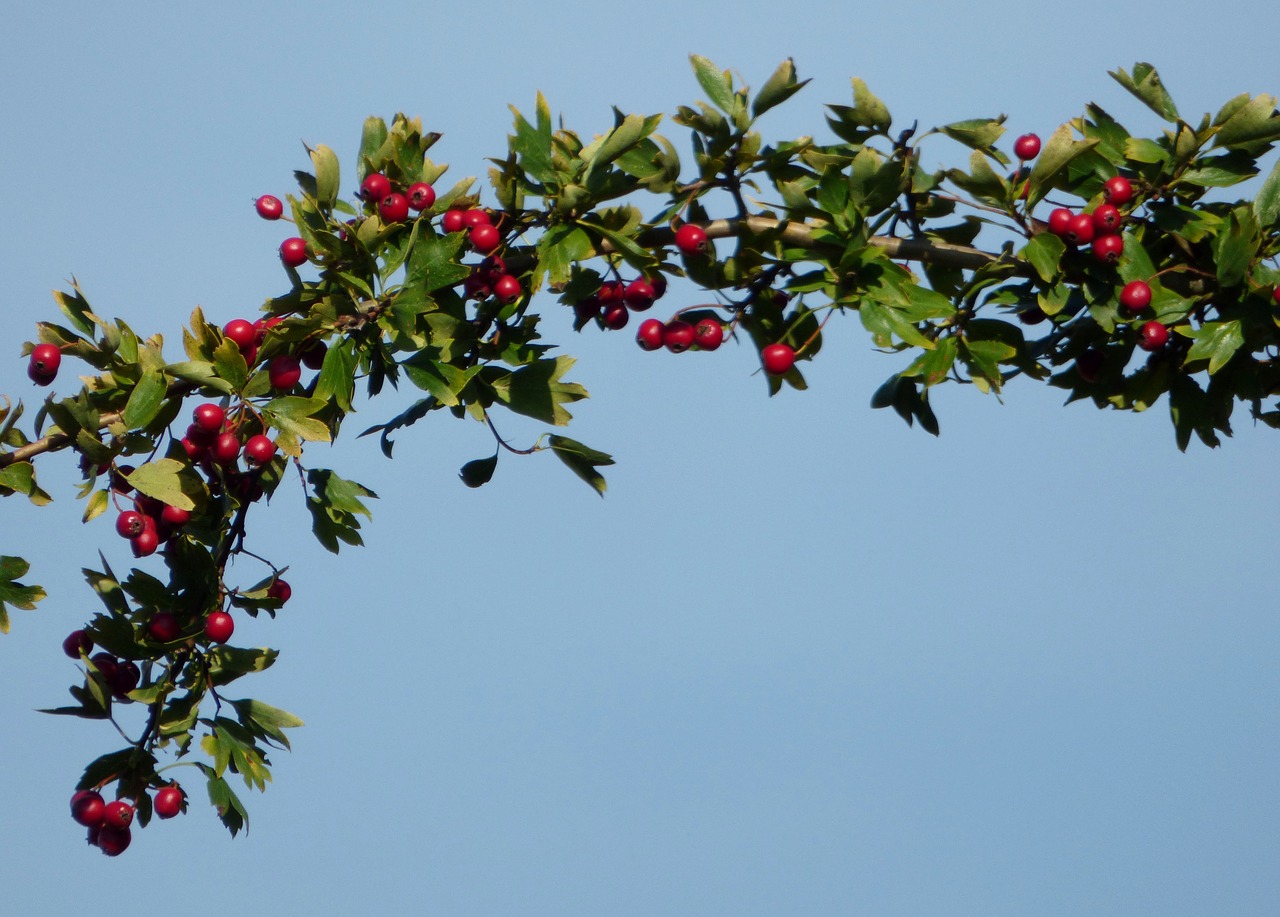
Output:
[[312, 354], [1152, 336], [708, 334], [111, 841], [168, 802], [1080, 229], [174, 516], [269, 207], [209, 417], [639, 295], [484, 238], [615, 316], [124, 679], [280, 590], [394, 208], [88, 807], [1060, 221], [375, 187], [649, 334], [475, 217], [421, 196], [259, 449], [45, 360], [452, 221], [293, 252], [284, 371], [507, 289], [1026, 147], [677, 335], [219, 626], [130, 524], [240, 332], [225, 448], [77, 642], [1108, 249], [1118, 190], [1107, 219], [1089, 365], [163, 627]]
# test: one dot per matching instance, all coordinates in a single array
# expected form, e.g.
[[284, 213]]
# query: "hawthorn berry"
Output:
[[708, 334], [225, 449], [452, 221], [659, 284], [615, 315], [106, 665], [87, 808], [1136, 295], [1107, 249], [484, 238], [691, 239], [280, 590], [111, 841], [1060, 221], [175, 517], [209, 417], [284, 371], [1080, 229], [293, 252], [168, 802], [375, 187], [1152, 336], [312, 354], [77, 642], [475, 217], [1107, 219], [394, 208], [421, 195], [124, 679], [163, 627], [259, 449], [240, 332], [639, 295], [130, 524], [507, 289], [612, 291], [649, 334], [677, 335], [1118, 190], [145, 543], [219, 626], [476, 286], [117, 814], [491, 268], [45, 360], [269, 207], [1027, 147], [778, 359]]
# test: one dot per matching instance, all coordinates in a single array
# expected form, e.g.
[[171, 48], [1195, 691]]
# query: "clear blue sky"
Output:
[[801, 660]]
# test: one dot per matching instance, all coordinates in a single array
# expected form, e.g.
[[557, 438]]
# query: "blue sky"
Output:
[[801, 659]]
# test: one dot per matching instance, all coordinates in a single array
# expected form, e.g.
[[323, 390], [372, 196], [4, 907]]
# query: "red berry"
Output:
[[225, 449], [492, 268], [1107, 219], [421, 196], [130, 524], [77, 642], [375, 187], [615, 316], [612, 291], [284, 371], [708, 334], [195, 451], [639, 295], [293, 252], [219, 626], [659, 284], [106, 665], [1152, 336], [240, 332], [1027, 147], [691, 239], [394, 208], [145, 543], [168, 801], [259, 449], [507, 289], [1118, 190], [87, 808], [1107, 249], [124, 679], [677, 335], [209, 417], [778, 359], [269, 207], [45, 359], [280, 590], [649, 334], [1060, 221], [175, 517], [163, 627], [1080, 229], [475, 217], [111, 841], [452, 221], [484, 238], [263, 325], [1136, 295], [312, 354], [117, 814]]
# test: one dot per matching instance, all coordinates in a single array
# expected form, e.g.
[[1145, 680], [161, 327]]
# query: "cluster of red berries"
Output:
[[482, 235], [678, 335], [614, 302], [1099, 229], [150, 523], [109, 823], [120, 675], [490, 278]]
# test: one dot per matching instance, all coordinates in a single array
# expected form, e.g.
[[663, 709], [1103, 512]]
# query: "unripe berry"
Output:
[[293, 251], [778, 359], [269, 207], [691, 239]]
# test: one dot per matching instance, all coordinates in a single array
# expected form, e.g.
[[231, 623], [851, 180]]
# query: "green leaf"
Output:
[[169, 481], [933, 365], [1236, 246], [328, 175], [202, 373], [270, 720], [296, 415], [1217, 342], [479, 472], [145, 400], [533, 145], [976, 133], [337, 375], [230, 364], [1044, 252], [716, 84], [777, 89], [96, 506], [20, 477], [559, 248], [372, 138], [1059, 150], [1146, 85], [13, 592], [582, 460], [536, 390], [230, 809], [1254, 122], [1266, 206]]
